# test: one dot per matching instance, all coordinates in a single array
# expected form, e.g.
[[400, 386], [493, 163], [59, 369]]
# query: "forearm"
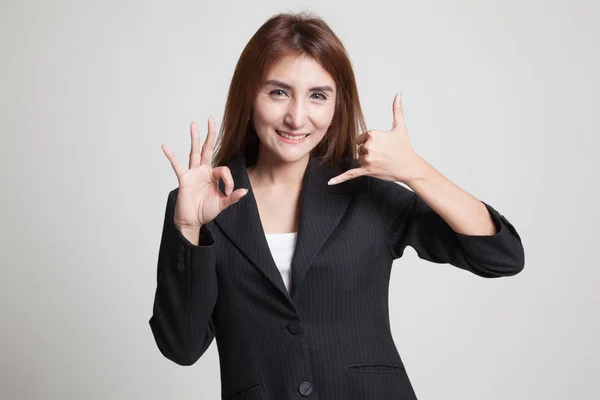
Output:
[[464, 213], [186, 290]]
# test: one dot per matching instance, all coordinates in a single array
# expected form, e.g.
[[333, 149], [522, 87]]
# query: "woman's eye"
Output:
[[323, 97], [276, 91]]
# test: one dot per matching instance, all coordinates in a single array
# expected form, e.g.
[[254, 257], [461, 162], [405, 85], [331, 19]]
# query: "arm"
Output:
[[458, 233], [186, 292], [463, 212]]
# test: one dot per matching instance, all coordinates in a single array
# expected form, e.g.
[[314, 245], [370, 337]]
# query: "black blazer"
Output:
[[330, 337]]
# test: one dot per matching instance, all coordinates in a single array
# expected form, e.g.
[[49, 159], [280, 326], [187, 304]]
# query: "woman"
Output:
[[283, 250]]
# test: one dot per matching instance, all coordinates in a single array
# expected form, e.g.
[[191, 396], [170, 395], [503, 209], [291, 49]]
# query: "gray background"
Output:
[[500, 96]]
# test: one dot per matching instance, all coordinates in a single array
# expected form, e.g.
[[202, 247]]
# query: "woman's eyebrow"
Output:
[[275, 82]]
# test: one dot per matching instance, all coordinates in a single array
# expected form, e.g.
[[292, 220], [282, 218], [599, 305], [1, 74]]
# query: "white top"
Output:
[[282, 247]]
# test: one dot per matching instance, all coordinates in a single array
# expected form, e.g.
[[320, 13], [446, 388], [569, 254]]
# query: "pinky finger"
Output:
[[177, 167]]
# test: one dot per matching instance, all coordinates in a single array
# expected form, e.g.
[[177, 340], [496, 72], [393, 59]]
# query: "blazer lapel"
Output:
[[321, 209]]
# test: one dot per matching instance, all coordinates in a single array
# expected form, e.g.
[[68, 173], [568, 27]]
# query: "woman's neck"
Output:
[[279, 173]]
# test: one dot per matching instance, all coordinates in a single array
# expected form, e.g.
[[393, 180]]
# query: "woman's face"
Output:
[[297, 97]]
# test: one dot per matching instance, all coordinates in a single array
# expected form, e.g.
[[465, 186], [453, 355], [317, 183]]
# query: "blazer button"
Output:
[[181, 248], [305, 388], [181, 257], [294, 327], [181, 266]]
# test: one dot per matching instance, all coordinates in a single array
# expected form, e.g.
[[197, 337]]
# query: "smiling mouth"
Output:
[[291, 137]]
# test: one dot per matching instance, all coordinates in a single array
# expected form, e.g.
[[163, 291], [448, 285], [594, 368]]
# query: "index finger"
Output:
[[209, 143], [350, 174]]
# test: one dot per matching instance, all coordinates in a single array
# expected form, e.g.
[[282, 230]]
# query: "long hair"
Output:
[[290, 34]]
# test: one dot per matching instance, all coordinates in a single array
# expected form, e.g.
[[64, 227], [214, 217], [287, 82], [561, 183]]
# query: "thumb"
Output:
[[398, 120]]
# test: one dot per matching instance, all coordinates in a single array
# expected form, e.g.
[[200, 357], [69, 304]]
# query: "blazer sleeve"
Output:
[[410, 221], [186, 292]]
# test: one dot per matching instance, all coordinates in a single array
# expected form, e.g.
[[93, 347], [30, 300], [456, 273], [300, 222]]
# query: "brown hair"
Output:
[[290, 34]]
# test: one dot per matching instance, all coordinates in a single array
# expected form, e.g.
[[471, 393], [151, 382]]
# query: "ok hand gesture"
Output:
[[199, 199]]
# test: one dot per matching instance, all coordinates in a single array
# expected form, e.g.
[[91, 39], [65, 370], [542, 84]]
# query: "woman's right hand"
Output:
[[199, 199]]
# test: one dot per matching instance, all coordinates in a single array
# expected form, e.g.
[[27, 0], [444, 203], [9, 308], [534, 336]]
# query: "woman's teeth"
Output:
[[285, 135]]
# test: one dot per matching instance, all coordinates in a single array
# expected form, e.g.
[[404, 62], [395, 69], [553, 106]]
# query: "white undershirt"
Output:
[[282, 247]]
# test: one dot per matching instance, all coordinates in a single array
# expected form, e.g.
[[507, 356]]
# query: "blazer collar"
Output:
[[321, 209]]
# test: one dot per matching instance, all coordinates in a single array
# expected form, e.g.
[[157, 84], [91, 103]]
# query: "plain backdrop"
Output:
[[499, 96]]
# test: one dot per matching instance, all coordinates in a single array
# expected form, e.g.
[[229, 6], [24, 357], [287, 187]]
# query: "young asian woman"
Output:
[[279, 244]]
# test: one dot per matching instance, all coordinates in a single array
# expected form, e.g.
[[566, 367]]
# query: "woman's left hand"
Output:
[[386, 155]]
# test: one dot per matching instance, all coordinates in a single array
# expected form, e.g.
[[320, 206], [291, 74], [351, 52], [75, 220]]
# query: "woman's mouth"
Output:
[[291, 138]]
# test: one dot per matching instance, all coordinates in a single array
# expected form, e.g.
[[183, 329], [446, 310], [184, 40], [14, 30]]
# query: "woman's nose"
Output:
[[297, 114]]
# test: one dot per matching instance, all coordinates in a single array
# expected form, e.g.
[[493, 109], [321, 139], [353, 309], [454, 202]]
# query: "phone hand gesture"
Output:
[[199, 199]]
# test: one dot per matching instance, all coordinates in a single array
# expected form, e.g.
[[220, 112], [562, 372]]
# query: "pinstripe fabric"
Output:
[[329, 337]]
